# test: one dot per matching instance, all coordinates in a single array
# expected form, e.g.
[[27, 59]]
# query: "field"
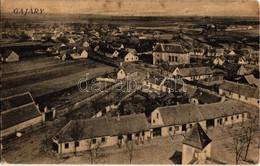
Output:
[[47, 75]]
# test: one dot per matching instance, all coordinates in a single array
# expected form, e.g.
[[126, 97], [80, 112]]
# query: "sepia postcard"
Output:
[[130, 82]]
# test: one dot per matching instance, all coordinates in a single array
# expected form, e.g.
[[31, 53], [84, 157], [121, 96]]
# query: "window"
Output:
[[94, 141], [66, 145], [158, 55], [103, 139], [243, 115], [226, 119], [170, 128], [190, 125], [132, 58], [258, 101], [176, 59], [245, 98], [176, 128], [237, 116], [232, 118], [229, 93], [170, 58], [137, 134], [218, 121], [239, 96], [77, 144], [153, 121], [157, 115]]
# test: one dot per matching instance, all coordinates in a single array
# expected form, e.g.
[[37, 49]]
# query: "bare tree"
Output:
[[76, 133], [239, 143], [94, 152], [130, 150], [251, 129]]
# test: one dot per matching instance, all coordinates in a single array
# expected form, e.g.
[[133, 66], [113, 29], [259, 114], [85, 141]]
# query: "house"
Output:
[[241, 92], [197, 53], [86, 44], [193, 73], [153, 82], [242, 60], [117, 46], [108, 51], [162, 84], [178, 119], [79, 55], [9, 56], [172, 53], [219, 61], [249, 80], [232, 53], [102, 132], [19, 112], [232, 69], [205, 97], [128, 56], [127, 72], [196, 146]]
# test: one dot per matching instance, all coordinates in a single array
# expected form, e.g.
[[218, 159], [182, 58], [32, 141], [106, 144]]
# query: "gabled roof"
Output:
[[241, 89], [206, 97], [128, 69], [8, 53], [188, 113], [195, 71], [197, 137], [171, 48], [128, 124], [19, 115], [103, 126], [17, 109], [14, 101], [122, 54], [251, 80], [155, 79]]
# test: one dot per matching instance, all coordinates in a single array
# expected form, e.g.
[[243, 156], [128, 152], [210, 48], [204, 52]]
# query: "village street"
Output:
[[158, 151]]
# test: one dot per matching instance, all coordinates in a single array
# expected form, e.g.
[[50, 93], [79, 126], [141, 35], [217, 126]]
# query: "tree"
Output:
[[94, 151], [129, 150], [76, 133], [251, 129], [239, 143]]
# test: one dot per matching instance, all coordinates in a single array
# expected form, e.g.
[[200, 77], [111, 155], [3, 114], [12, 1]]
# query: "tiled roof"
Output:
[[171, 48], [187, 113], [16, 101], [206, 97], [241, 89], [17, 109], [195, 71], [103, 126], [19, 115], [197, 137]]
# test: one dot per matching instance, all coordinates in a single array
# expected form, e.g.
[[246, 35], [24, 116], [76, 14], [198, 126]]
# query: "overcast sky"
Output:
[[143, 8]]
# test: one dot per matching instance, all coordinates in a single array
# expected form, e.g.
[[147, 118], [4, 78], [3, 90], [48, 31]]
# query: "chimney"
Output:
[[121, 64], [37, 106], [148, 75], [118, 116]]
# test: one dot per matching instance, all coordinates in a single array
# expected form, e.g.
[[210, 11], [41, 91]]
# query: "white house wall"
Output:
[[22, 125]]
